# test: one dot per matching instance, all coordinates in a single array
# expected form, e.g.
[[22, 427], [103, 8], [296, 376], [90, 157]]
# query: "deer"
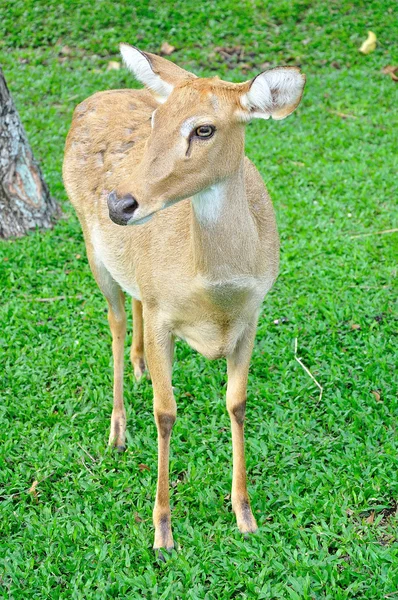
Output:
[[176, 216]]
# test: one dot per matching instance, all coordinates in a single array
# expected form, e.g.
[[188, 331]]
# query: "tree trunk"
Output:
[[25, 201]]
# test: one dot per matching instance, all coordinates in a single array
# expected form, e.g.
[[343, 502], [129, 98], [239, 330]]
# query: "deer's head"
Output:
[[197, 136]]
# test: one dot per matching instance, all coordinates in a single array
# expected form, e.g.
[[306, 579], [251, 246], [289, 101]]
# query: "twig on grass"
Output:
[[88, 453], [358, 235], [368, 287], [300, 362], [55, 299], [391, 594], [342, 115], [85, 466]]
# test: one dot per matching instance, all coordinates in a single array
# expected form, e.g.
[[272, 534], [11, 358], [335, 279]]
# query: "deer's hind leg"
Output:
[[137, 347], [117, 323]]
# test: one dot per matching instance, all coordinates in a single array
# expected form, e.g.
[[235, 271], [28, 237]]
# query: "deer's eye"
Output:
[[205, 131]]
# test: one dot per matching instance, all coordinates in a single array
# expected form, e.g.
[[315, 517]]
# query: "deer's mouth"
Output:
[[142, 220], [126, 210]]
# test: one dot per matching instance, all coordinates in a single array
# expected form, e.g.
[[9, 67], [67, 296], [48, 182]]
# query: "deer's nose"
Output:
[[121, 209]]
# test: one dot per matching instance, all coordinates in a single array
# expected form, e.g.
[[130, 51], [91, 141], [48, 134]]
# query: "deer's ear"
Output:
[[274, 93], [156, 73]]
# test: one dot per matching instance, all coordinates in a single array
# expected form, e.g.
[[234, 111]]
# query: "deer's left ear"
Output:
[[274, 93], [158, 74]]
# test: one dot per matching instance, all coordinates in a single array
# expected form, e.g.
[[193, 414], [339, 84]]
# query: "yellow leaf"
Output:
[[167, 49], [369, 44], [32, 490], [113, 65]]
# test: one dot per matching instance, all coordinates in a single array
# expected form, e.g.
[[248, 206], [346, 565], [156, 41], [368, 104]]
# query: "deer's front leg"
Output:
[[159, 347], [238, 369], [117, 324]]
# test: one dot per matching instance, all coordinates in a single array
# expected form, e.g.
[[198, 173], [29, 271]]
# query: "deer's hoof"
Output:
[[163, 535], [244, 516], [162, 554]]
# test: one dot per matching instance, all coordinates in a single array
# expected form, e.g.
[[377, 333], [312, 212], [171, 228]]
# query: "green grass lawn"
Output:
[[322, 474]]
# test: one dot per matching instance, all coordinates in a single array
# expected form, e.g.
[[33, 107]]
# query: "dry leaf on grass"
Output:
[[229, 51], [32, 490], [137, 518], [392, 71], [371, 518], [143, 467], [245, 67], [376, 394], [65, 50], [113, 65], [369, 44], [167, 49]]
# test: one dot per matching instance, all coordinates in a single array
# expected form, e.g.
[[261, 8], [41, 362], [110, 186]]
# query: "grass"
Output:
[[322, 475]]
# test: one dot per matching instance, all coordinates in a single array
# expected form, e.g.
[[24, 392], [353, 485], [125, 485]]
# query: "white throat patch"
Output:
[[208, 203]]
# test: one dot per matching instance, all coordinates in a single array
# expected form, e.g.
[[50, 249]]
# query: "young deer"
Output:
[[170, 159]]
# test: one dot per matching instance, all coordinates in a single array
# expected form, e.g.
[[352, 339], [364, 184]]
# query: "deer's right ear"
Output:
[[156, 73], [274, 93]]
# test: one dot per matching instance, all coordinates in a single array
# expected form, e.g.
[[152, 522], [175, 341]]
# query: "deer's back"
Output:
[[106, 138]]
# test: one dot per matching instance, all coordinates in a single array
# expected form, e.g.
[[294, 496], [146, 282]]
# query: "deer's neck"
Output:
[[224, 236]]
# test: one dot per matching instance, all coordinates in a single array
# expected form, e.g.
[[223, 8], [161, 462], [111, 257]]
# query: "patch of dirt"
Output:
[[235, 56], [371, 515]]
